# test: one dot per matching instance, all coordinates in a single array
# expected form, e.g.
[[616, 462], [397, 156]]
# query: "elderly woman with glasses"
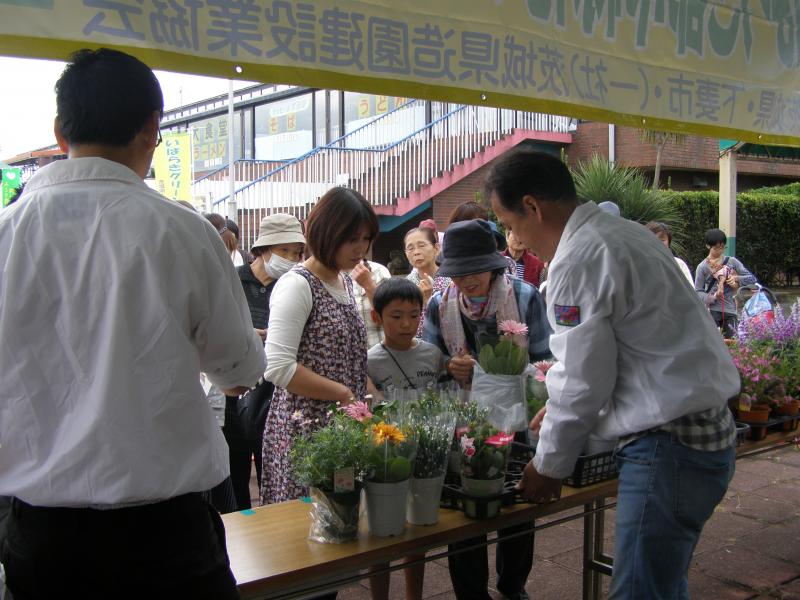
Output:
[[422, 246]]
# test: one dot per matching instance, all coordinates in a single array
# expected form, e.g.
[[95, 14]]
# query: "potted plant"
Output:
[[485, 451], [766, 355], [390, 463], [433, 428], [466, 412], [498, 381], [331, 462]]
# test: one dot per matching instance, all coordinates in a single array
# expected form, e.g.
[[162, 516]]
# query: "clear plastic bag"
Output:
[[503, 396], [334, 516]]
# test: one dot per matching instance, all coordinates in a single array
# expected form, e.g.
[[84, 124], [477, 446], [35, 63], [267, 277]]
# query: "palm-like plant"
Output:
[[599, 180], [659, 139]]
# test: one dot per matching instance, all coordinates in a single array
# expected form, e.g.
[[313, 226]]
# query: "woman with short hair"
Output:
[[317, 344]]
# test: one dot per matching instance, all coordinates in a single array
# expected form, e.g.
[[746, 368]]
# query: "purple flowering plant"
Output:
[[766, 354]]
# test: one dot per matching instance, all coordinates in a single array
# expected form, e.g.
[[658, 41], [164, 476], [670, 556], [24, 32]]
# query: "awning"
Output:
[[727, 70]]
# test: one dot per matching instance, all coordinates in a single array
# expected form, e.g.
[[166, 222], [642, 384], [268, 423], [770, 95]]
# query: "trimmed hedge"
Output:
[[768, 229]]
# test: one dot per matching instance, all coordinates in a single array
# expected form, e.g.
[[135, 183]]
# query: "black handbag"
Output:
[[252, 409]]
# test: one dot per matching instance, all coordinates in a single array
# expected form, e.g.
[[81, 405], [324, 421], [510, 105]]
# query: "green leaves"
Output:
[[598, 181], [768, 220]]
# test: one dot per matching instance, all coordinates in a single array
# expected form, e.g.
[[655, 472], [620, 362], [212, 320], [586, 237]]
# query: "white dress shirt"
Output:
[[644, 352], [289, 308], [112, 301]]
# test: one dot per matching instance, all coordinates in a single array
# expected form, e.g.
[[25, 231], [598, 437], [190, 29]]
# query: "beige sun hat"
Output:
[[278, 229]]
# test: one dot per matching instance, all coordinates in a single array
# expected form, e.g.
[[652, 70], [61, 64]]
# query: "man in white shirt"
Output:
[[654, 374], [112, 301]]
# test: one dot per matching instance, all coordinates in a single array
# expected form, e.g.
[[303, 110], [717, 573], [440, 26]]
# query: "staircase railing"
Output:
[[384, 129], [383, 171]]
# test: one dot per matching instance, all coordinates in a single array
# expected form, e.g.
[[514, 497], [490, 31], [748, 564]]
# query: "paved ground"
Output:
[[750, 549]]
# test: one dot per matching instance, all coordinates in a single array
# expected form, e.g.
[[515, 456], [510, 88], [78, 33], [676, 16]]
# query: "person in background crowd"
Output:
[[431, 224], [401, 360], [664, 234], [466, 211], [239, 256], [107, 440], [527, 265], [653, 374], [483, 295], [610, 207], [187, 204], [228, 237], [317, 345], [278, 248], [717, 279], [422, 247], [366, 277]]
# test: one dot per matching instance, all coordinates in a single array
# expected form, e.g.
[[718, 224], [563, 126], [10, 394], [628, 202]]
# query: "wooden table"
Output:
[[271, 556]]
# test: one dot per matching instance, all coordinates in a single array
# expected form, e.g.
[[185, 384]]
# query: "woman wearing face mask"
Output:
[[278, 248], [317, 344]]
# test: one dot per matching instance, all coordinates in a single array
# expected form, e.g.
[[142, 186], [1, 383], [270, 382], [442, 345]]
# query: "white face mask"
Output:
[[278, 266]]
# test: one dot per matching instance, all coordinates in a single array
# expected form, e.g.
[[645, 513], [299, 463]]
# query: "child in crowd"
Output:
[[402, 361]]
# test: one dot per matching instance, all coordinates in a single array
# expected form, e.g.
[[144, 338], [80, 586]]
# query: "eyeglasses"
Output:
[[419, 246], [159, 140]]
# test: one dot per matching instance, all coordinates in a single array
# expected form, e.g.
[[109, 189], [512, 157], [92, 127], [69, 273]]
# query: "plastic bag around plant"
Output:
[[334, 516], [503, 396]]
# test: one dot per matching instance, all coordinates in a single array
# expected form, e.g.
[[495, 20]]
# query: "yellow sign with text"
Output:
[[727, 68], [172, 162]]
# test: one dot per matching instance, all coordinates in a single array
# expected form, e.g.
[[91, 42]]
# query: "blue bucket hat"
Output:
[[469, 248]]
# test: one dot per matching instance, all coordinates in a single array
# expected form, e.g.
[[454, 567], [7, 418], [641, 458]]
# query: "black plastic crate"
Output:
[[478, 507], [593, 468]]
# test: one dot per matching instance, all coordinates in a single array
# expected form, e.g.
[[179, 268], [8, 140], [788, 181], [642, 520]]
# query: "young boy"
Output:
[[401, 360]]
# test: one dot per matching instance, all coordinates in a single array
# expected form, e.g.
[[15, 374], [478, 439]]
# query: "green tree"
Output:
[[659, 139], [599, 180]]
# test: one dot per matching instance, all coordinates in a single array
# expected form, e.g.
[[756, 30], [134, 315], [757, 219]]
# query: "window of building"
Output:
[[284, 128]]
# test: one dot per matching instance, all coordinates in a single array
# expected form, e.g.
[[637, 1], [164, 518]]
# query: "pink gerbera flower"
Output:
[[358, 411], [512, 327]]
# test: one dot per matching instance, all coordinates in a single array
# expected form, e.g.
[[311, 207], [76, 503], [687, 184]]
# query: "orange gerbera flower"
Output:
[[382, 432]]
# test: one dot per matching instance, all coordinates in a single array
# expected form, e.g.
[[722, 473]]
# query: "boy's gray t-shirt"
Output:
[[423, 364]]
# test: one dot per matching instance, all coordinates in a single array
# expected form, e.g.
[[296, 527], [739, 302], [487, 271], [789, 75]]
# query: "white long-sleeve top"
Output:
[[289, 308], [636, 347], [112, 301]]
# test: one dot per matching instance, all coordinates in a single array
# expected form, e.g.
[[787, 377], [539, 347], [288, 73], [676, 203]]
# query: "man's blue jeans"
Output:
[[667, 491]]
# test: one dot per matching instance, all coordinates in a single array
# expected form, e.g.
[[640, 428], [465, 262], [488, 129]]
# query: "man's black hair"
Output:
[[105, 97], [715, 236], [395, 288], [528, 172]]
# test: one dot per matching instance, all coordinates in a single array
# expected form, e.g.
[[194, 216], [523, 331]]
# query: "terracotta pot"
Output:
[[791, 409], [756, 414]]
